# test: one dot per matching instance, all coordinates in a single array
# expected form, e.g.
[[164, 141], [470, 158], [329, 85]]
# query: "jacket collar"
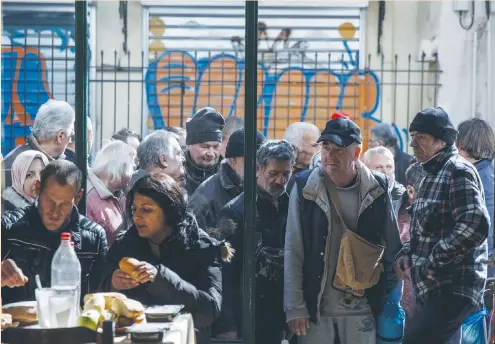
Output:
[[436, 162], [16, 199], [97, 184], [197, 172], [54, 236], [482, 164], [33, 142], [228, 177]]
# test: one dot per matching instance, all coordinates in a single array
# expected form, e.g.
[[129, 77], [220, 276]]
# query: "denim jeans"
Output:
[[438, 320]]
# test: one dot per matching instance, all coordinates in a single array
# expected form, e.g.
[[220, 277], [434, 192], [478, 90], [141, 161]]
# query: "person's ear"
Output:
[[79, 196], [258, 171], [410, 191], [357, 153], [37, 187], [60, 136], [163, 161]]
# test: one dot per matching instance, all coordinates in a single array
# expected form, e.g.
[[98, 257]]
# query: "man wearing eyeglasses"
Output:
[[50, 134]]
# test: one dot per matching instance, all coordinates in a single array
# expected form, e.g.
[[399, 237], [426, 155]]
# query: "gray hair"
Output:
[[116, 160], [90, 128], [275, 150], [295, 132], [415, 175], [315, 160], [232, 123], [385, 132], [52, 117], [377, 150], [156, 144]]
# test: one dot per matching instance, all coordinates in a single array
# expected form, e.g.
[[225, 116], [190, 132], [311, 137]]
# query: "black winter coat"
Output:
[[210, 197], [270, 225], [31, 246], [188, 272]]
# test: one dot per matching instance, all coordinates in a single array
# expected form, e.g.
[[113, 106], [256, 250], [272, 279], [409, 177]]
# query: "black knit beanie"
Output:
[[436, 122], [206, 125], [235, 146]]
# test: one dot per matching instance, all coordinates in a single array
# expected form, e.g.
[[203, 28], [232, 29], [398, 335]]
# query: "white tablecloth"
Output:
[[181, 332]]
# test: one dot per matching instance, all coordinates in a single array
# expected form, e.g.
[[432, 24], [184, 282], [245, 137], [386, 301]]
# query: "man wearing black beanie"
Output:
[[449, 227], [224, 186], [204, 136]]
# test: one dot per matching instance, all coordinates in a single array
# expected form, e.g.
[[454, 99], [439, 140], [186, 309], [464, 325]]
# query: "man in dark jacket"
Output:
[[207, 201], [339, 197], [31, 237], [204, 136], [384, 135], [274, 162], [50, 134], [449, 227]]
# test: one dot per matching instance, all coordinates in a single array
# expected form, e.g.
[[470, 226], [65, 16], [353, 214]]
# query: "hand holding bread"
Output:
[[139, 272]]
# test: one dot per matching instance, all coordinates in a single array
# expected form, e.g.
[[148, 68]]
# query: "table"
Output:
[[181, 332]]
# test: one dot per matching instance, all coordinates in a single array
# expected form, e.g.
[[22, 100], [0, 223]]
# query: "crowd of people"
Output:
[[352, 246]]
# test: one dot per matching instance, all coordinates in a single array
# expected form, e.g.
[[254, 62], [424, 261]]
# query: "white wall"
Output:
[[112, 106], [410, 27]]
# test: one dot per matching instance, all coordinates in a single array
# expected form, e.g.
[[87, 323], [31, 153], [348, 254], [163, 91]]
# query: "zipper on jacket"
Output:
[[325, 274]]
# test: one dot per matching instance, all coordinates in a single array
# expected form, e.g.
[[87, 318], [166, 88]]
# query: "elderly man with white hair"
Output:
[[303, 137], [160, 152], [112, 169], [50, 134], [381, 159]]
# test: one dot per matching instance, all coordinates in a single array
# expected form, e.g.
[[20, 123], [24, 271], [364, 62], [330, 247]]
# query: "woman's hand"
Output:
[[122, 281], [146, 273]]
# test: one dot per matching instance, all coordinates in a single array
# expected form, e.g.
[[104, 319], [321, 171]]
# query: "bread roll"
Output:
[[129, 266], [6, 320], [96, 301], [24, 314], [109, 297], [127, 308]]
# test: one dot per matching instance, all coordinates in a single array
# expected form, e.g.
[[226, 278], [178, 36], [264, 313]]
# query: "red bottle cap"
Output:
[[65, 236]]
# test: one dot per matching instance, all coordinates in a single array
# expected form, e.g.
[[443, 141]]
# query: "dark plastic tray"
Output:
[[72, 335]]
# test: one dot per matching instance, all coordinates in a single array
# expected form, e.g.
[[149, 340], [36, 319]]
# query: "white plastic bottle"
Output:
[[65, 275]]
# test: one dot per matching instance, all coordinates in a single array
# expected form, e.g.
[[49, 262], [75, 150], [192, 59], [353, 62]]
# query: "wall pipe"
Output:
[[489, 85], [474, 78], [81, 94]]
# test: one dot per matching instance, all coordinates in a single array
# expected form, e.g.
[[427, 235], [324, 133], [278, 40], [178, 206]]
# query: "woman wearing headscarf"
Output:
[[178, 262], [25, 172]]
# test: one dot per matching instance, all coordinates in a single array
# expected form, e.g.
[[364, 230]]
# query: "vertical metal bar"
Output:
[[81, 93], [128, 89], [114, 90], [435, 90], [250, 104], [142, 93], [423, 55], [394, 114], [408, 99], [101, 99], [382, 80]]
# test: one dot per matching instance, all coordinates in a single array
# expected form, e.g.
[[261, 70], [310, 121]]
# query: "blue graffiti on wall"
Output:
[[25, 76]]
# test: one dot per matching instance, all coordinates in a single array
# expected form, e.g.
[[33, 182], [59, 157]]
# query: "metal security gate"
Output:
[[196, 58]]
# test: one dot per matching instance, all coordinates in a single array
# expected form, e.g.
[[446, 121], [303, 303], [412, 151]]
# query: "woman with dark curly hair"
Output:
[[179, 262]]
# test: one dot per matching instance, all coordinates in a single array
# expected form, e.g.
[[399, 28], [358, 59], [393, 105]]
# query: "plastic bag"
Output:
[[390, 323], [473, 328]]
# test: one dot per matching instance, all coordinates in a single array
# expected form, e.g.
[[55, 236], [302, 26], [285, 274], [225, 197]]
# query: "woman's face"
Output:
[[148, 217], [33, 175]]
